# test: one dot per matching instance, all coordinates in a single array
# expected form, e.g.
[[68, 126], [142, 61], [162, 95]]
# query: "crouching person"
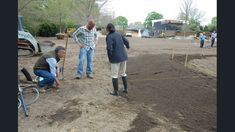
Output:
[[117, 57], [46, 67]]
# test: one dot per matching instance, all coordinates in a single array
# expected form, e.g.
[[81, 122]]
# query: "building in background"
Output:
[[166, 27]]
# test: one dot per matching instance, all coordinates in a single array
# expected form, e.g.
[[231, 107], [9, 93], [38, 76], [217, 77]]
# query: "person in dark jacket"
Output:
[[46, 67], [117, 55]]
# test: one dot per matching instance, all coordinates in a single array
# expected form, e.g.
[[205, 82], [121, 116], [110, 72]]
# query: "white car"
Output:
[[128, 34]]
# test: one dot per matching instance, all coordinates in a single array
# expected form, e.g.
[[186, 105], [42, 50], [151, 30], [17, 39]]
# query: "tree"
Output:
[[194, 25], [185, 10], [206, 29], [213, 25], [214, 21], [32, 13], [190, 15], [59, 12], [87, 9], [201, 28], [104, 19], [101, 3], [152, 16], [121, 21], [22, 4]]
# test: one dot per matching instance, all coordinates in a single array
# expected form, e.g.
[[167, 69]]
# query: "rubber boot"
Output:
[[125, 83], [115, 87]]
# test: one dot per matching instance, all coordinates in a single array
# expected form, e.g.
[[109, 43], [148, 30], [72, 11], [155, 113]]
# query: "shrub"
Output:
[[47, 30], [70, 25]]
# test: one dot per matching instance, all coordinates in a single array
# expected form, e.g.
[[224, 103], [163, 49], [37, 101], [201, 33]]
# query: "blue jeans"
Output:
[[48, 78], [87, 53], [212, 42], [201, 43]]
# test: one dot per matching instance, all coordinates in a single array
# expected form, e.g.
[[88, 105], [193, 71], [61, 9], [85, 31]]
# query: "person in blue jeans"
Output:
[[202, 39], [213, 36], [86, 38], [46, 67]]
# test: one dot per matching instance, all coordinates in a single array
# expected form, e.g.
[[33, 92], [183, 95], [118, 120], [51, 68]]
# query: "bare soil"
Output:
[[183, 96], [164, 95]]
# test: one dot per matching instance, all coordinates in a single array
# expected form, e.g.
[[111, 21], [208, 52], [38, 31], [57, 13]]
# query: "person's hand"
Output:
[[57, 82], [80, 45]]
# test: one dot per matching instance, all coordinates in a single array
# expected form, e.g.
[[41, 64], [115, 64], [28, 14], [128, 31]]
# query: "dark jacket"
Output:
[[115, 47], [42, 64]]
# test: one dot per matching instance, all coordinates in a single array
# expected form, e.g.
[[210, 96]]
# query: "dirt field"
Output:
[[164, 95]]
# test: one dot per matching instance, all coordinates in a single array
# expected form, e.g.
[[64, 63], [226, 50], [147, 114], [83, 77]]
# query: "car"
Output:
[[128, 34], [145, 34]]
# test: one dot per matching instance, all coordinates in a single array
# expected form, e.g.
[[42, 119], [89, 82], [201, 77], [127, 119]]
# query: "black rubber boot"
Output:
[[125, 83], [115, 87]]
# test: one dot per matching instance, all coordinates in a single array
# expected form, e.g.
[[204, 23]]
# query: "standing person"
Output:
[[213, 36], [202, 39], [86, 38], [46, 67], [117, 57]]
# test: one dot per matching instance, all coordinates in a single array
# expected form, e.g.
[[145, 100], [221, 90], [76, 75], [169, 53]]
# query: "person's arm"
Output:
[[75, 35], [126, 42], [96, 36], [52, 65], [109, 43], [57, 70]]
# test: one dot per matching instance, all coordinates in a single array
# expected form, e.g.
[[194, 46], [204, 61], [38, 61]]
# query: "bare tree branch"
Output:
[[103, 2], [25, 5], [186, 8], [28, 2]]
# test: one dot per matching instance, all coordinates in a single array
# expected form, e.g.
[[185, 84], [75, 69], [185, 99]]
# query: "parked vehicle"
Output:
[[27, 44], [146, 34], [128, 34]]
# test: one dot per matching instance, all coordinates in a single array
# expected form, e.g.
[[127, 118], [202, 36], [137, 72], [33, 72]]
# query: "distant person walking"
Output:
[[86, 38], [213, 36], [202, 39], [117, 55]]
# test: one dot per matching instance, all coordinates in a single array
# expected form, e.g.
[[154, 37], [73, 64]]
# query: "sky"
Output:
[[137, 10]]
